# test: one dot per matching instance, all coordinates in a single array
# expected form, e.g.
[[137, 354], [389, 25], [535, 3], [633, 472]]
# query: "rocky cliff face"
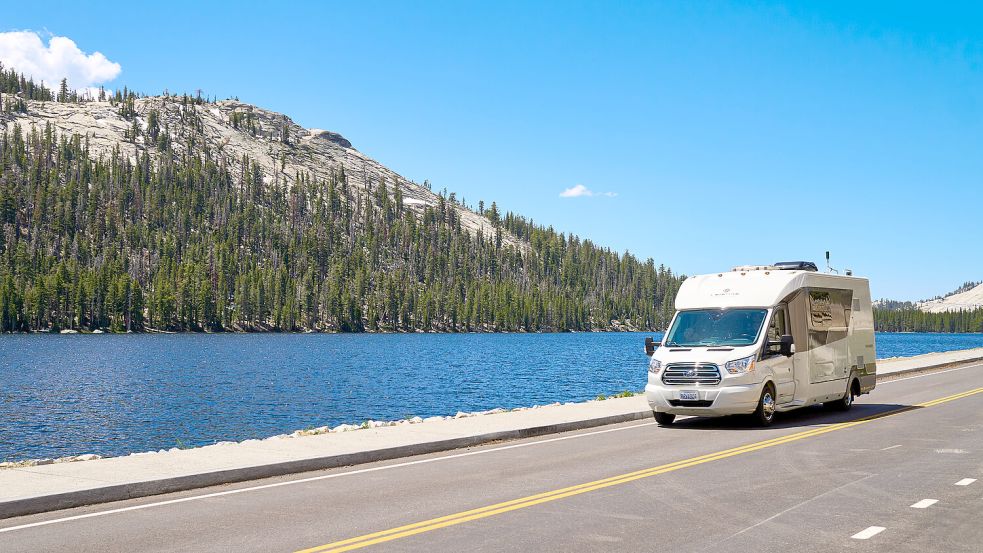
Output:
[[964, 300], [229, 131]]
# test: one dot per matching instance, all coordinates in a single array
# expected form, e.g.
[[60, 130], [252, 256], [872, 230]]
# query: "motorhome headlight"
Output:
[[655, 366], [740, 366]]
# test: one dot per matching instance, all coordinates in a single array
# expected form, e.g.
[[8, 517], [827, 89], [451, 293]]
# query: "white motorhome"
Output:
[[763, 339]]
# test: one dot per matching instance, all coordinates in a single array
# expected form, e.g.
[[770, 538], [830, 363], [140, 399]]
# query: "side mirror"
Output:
[[650, 346], [786, 346]]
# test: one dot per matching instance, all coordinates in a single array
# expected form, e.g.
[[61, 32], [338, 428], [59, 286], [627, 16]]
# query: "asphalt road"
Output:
[[816, 481]]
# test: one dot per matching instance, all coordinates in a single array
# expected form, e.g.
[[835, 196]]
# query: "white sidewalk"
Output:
[[33, 489]]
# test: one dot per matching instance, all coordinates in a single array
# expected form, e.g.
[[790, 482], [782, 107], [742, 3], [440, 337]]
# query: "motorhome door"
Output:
[[773, 360]]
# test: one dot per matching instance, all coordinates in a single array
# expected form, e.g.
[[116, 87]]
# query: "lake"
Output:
[[115, 394]]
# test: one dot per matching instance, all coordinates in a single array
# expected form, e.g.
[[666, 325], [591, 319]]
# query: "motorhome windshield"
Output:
[[715, 327]]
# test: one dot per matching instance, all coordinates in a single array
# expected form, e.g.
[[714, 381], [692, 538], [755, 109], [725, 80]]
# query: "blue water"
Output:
[[890, 344], [116, 394]]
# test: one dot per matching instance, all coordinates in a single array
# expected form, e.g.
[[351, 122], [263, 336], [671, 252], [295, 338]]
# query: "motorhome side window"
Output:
[[778, 326]]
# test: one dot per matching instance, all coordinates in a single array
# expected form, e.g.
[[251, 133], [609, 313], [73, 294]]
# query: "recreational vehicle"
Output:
[[763, 339]]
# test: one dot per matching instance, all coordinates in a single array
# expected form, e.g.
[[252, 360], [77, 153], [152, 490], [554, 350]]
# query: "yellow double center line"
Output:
[[528, 501]]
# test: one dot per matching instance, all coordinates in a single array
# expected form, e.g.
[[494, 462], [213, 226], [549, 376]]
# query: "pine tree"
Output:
[[63, 91]]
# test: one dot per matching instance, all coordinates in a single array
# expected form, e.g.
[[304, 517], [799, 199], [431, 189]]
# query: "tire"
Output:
[[663, 419], [843, 404], [764, 415]]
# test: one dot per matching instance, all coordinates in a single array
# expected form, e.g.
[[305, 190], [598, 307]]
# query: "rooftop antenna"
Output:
[[830, 269]]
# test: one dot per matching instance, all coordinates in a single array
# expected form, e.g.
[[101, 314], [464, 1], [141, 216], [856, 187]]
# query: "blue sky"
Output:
[[711, 134]]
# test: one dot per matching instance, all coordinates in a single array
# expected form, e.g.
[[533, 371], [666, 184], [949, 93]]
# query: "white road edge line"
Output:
[[891, 447], [925, 504], [868, 533], [316, 478], [965, 481]]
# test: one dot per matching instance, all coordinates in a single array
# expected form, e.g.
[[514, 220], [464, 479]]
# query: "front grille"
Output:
[[681, 374]]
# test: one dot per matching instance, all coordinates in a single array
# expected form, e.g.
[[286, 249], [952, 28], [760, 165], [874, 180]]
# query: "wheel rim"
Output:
[[848, 400], [768, 405]]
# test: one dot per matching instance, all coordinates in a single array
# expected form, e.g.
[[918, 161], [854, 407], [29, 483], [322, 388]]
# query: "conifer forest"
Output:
[[168, 241]]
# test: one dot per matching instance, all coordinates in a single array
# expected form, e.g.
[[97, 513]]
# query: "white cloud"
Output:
[[26, 52], [576, 191], [579, 190]]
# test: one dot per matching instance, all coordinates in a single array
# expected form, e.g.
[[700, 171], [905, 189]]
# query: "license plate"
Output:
[[687, 395]]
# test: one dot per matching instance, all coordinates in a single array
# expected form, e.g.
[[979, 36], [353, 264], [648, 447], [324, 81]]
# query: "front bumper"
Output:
[[734, 399]]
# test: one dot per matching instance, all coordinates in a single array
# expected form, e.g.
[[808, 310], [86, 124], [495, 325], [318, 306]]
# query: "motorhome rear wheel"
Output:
[[843, 404]]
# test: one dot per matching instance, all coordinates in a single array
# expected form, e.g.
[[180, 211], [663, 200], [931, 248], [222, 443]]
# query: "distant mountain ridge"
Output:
[[958, 311], [967, 297], [227, 130], [176, 213]]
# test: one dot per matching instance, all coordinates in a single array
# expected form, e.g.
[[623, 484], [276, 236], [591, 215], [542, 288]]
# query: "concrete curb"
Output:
[[929, 368], [119, 492]]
